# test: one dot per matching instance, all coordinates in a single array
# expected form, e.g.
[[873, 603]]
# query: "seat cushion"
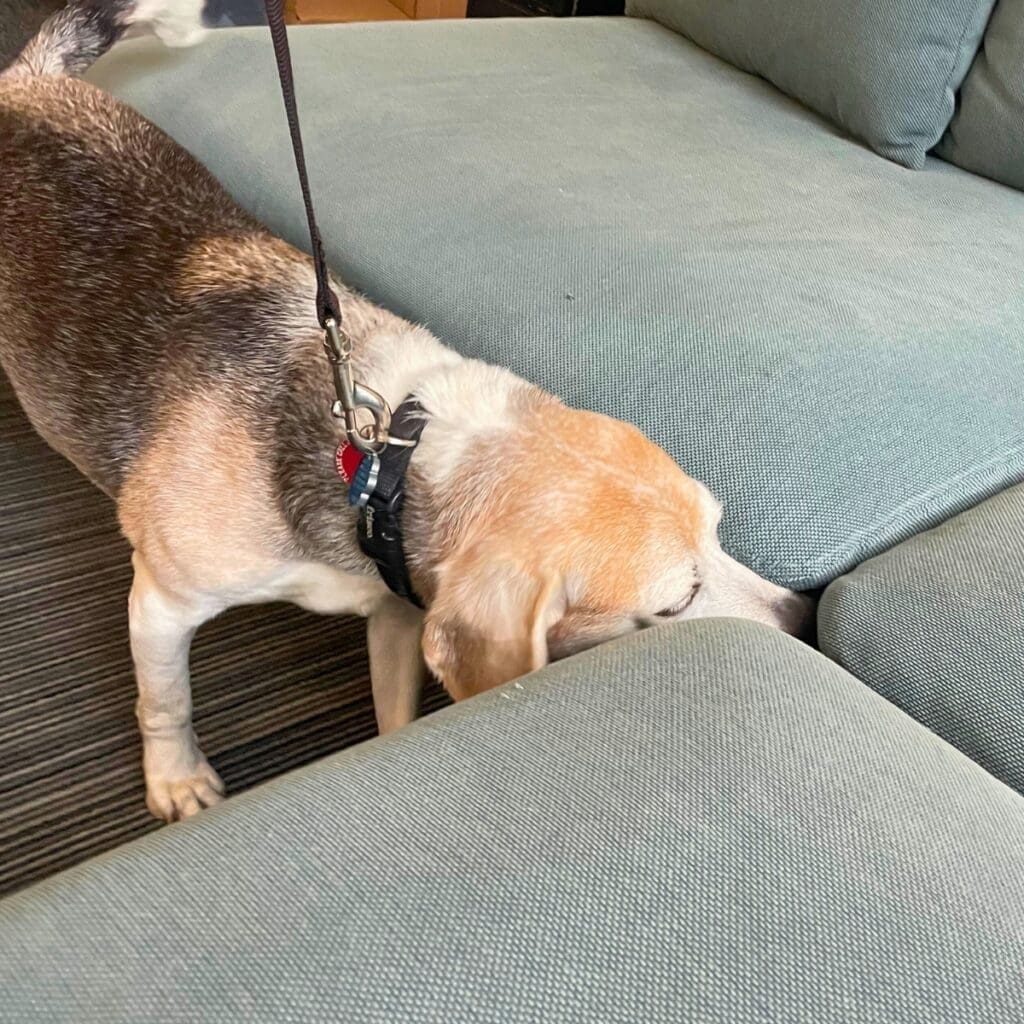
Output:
[[887, 71], [987, 133], [707, 822], [803, 326], [937, 626]]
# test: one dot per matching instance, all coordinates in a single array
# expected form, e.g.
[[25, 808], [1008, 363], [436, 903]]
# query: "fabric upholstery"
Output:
[[646, 231], [887, 70], [987, 133], [702, 823], [937, 626]]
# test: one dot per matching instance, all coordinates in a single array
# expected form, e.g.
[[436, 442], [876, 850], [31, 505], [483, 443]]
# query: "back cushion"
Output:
[[987, 134], [885, 70]]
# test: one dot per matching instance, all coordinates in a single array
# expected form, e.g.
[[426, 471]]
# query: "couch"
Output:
[[786, 240]]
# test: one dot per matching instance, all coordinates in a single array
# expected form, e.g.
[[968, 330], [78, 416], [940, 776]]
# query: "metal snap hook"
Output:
[[355, 398]]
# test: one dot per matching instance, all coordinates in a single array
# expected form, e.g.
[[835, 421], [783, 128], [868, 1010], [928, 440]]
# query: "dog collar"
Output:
[[376, 488]]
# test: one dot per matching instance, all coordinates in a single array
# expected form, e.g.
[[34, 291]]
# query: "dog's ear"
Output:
[[582, 629], [489, 622]]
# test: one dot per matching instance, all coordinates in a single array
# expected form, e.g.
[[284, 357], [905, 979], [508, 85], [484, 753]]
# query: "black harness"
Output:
[[380, 505], [380, 450]]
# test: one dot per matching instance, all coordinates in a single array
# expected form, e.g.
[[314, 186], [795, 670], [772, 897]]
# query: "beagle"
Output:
[[163, 341]]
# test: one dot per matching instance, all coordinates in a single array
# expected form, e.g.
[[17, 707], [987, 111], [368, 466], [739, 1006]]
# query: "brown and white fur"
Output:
[[164, 342]]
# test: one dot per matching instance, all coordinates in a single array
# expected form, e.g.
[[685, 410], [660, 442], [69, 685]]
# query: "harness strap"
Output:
[[327, 305], [379, 526]]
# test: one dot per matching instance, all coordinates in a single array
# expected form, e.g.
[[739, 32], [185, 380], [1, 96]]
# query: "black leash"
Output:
[[327, 305], [385, 455], [353, 397]]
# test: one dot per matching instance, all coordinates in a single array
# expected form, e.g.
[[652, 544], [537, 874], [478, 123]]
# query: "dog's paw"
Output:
[[174, 799]]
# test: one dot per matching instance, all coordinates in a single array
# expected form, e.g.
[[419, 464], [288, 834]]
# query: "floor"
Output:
[[325, 11], [274, 687], [315, 12]]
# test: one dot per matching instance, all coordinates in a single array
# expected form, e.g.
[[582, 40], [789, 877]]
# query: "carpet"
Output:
[[274, 687]]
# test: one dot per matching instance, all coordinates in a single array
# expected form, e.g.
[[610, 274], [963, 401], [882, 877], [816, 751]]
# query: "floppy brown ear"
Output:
[[489, 623]]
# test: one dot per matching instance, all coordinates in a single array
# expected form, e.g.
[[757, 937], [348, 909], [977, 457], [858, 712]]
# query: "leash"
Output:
[[374, 459], [353, 398]]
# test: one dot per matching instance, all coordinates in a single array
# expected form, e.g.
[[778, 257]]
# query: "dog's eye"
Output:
[[680, 606]]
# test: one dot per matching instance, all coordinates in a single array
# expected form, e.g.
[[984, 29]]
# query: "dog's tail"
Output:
[[73, 38]]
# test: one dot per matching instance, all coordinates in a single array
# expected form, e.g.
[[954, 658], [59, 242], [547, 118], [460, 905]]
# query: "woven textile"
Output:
[[987, 134], [702, 823], [886, 70], [937, 626], [832, 343]]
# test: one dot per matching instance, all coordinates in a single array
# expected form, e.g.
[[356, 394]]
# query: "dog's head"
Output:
[[560, 529]]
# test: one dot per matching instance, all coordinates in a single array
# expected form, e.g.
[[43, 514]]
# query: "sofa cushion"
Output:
[[802, 325], [987, 133], [708, 822], [887, 70], [937, 626]]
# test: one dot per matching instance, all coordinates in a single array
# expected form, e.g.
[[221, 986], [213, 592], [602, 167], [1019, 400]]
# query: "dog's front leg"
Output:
[[179, 779], [394, 632]]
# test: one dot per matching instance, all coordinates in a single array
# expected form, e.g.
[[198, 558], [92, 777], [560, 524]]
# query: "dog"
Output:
[[165, 343]]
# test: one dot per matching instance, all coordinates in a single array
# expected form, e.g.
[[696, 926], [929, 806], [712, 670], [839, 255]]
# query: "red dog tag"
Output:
[[348, 460]]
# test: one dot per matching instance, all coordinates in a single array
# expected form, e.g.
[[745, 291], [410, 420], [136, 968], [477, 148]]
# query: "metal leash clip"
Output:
[[353, 397]]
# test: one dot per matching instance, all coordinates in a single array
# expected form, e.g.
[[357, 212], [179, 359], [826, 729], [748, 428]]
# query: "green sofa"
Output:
[[815, 315]]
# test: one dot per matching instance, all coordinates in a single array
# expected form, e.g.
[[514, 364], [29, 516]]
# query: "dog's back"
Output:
[[120, 255]]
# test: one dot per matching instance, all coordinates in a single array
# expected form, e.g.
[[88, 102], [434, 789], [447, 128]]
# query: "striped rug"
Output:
[[274, 687]]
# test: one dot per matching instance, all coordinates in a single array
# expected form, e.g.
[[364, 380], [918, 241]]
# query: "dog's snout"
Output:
[[735, 590]]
